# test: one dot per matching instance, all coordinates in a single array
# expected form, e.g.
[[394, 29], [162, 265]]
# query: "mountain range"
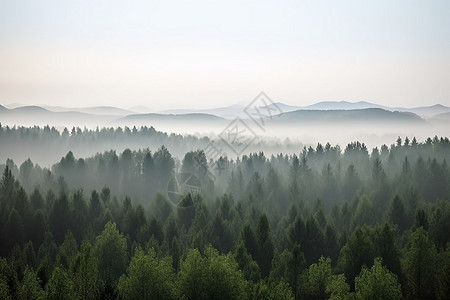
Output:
[[424, 112], [324, 112]]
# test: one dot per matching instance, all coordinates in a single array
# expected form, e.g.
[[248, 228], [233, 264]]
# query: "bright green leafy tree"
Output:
[[420, 265], [377, 283], [111, 252], [148, 277]]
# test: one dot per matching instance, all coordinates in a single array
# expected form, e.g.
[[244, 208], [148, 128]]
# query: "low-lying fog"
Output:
[[232, 137]]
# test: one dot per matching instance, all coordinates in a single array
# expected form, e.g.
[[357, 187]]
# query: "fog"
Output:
[[282, 132], [275, 137]]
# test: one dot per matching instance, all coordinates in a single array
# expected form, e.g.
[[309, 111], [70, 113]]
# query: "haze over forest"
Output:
[[284, 127], [224, 150]]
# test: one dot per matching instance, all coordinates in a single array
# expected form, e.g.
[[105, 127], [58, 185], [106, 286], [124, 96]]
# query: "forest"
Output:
[[317, 222]]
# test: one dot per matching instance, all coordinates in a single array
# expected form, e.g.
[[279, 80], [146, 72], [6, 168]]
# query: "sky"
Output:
[[203, 54]]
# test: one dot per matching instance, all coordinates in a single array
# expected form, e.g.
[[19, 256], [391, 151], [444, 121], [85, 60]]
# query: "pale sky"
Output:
[[201, 54]]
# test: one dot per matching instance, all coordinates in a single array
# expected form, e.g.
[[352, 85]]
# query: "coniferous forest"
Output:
[[321, 222]]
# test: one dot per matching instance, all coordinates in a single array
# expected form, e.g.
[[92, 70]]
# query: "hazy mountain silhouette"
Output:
[[95, 110], [30, 109], [281, 106], [342, 105], [180, 117], [326, 105], [36, 115], [13, 105], [373, 125], [327, 112], [347, 116], [443, 119], [237, 110], [443, 116], [227, 112], [427, 111]]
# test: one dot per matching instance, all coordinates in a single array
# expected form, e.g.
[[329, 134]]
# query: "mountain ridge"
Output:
[[349, 116], [234, 110], [227, 112]]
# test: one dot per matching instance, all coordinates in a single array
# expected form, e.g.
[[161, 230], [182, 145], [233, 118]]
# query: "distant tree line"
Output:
[[324, 223], [49, 143]]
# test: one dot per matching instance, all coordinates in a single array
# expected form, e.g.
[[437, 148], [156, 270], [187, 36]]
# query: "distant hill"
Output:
[[95, 110], [427, 111], [342, 105], [441, 119], [36, 115], [283, 107], [289, 120], [443, 116], [228, 112], [236, 110], [347, 116], [30, 109], [13, 105], [327, 105], [194, 117], [218, 118]]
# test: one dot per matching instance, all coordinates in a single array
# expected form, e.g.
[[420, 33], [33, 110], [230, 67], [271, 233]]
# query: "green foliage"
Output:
[[251, 245], [249, 239], [193, 282], [8, 280], [148, 277], [319, 276], [358, 251], [186, 211], [397, 214], [246, 264], [161, 208], [31, 288], [338, 289], [313, 244], [214, 276], [440, 224], [4, 292], [59, 217], [265, 245], [377, 283], [331, 247], [443, 274], [421, 219], [364, 212], [111, 252], [419, 265], [287, 267], [274, 291], [86, 281], [365, 245], [6, 186], [67, 251], [59, 286], [15, 230]]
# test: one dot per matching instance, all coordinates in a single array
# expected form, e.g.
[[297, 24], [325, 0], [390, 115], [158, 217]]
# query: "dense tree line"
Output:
[[50, 142], [47, 141], [323, 223]]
